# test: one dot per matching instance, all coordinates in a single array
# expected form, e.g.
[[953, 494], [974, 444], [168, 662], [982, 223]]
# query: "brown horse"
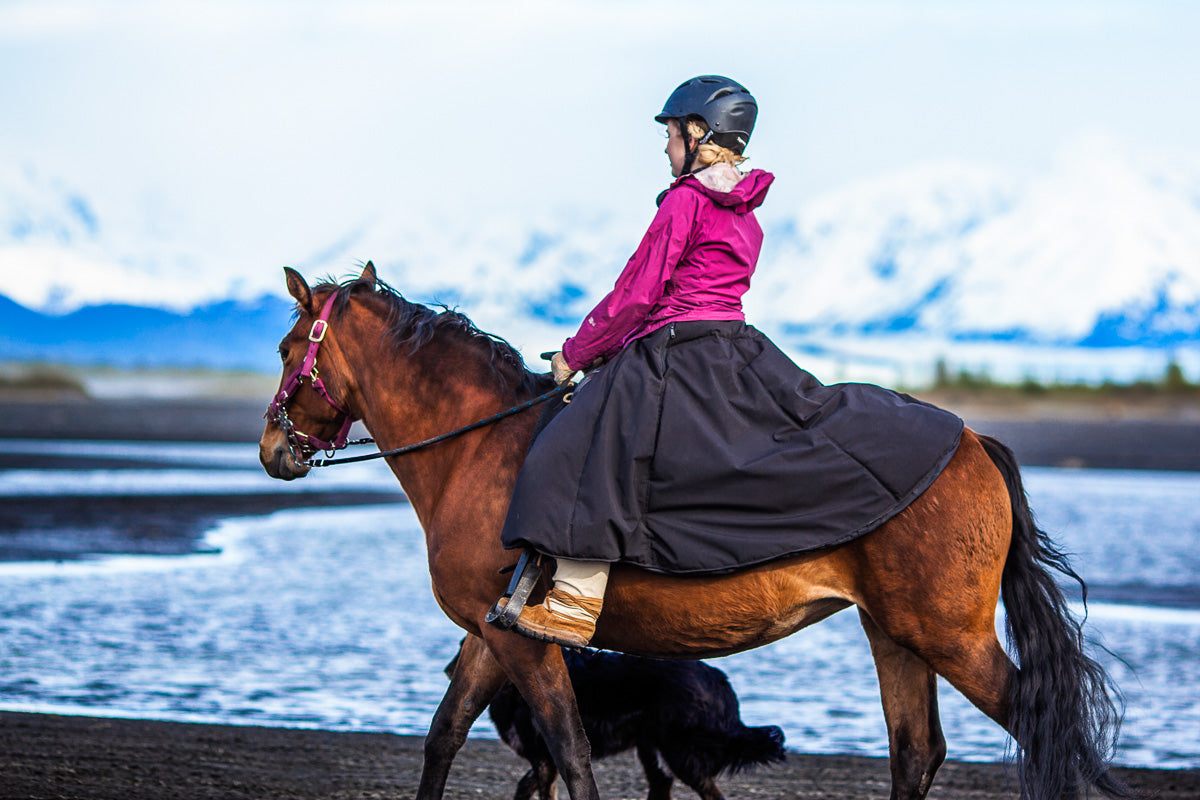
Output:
[[926, 583]]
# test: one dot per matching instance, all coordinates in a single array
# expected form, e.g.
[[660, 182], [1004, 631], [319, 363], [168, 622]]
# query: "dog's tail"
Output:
[[751, 747]]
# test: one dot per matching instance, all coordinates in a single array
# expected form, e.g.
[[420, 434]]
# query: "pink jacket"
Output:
[[694, 263]]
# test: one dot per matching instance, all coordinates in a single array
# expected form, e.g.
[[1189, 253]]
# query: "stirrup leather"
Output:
[[525, 576]]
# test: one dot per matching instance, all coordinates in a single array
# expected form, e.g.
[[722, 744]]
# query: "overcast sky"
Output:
[[264, 128]]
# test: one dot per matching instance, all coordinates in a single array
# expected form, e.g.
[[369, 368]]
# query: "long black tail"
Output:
[[1061, 707]]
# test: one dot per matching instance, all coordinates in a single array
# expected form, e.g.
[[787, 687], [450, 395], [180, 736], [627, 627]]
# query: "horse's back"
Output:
[[949, 544]]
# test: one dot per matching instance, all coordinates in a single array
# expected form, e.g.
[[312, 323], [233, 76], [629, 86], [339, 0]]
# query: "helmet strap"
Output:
[[687, 162]]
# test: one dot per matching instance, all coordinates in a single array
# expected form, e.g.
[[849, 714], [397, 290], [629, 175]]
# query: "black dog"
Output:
[[685, 711]]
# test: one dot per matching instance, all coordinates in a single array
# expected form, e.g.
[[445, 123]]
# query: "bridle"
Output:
[[306, 443], [303, 445]]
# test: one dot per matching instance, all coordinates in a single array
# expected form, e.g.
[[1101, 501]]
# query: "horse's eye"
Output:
[[283, 354]]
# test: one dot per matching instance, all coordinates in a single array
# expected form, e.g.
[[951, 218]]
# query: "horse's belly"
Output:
[[663, 617]]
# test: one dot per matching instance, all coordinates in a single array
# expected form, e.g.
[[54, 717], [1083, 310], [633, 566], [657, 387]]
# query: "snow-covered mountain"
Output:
[[1094, 261], [1095, 253], [60, 251]]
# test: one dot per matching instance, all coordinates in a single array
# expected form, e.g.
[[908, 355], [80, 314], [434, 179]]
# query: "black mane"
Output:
[[411, 326]]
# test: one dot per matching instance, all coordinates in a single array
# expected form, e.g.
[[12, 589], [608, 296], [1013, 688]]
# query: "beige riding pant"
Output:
[[578, 578]]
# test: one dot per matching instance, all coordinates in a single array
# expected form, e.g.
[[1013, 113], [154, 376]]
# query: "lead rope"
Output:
[[399, 451]]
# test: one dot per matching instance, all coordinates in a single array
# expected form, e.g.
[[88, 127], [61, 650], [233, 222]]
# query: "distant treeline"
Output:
[[1173, 381], [55, 379], [40, 378]]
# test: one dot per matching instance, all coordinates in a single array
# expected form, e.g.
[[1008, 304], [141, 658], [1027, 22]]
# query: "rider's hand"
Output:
[[559, 369]]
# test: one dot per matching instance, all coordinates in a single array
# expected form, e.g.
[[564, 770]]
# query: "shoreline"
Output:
[[89, 526], [53, 756], [1079, 436]]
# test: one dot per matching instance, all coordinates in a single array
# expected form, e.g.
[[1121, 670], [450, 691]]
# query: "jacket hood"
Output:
[[726, 186]]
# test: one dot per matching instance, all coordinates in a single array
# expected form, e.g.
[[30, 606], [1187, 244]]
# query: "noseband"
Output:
[[306, 443]]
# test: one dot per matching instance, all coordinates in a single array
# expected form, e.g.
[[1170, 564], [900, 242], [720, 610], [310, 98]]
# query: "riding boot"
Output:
[[569, 613]]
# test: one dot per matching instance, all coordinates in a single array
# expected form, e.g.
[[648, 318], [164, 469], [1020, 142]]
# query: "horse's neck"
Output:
[[409, 399]]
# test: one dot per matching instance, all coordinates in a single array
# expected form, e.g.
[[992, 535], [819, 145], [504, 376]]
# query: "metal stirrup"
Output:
[[525, 577]]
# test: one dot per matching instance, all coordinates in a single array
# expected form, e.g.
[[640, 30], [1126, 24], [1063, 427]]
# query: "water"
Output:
[[324, 617]]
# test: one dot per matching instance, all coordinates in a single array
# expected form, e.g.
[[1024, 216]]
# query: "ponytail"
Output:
[[708, 153]]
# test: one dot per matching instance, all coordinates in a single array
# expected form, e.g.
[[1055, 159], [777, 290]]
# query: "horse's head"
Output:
[[383, 359], [313, 409]]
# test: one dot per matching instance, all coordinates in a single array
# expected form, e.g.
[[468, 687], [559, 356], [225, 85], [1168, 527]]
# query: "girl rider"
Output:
[[693, 264], [698, 446]]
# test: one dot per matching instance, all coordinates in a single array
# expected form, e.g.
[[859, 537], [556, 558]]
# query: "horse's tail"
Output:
[[1061, 707]]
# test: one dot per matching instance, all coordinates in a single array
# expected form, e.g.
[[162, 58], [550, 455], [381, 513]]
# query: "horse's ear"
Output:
[[298, 288], [368, 276]]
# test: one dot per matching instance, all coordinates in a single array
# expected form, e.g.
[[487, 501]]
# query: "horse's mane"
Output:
[[411, 326]]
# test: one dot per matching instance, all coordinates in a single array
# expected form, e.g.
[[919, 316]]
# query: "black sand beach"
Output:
[[134, 419], [48, 756]]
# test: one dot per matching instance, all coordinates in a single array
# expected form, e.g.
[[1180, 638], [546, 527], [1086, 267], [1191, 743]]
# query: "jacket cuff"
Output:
[[569, 353]]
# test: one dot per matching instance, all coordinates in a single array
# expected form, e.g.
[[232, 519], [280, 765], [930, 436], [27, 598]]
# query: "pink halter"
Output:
[[277, 411]]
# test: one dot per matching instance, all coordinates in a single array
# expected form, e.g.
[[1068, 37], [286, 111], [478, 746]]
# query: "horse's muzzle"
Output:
[[277, 458]]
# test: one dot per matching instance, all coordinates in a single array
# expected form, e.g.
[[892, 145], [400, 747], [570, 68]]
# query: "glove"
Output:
[[559, 369]]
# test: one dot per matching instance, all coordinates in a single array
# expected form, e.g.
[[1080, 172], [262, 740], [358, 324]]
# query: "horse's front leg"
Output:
[[540, 675], [475, 680]]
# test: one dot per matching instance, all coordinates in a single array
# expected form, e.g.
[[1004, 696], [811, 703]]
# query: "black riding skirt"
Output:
[[702, 448]]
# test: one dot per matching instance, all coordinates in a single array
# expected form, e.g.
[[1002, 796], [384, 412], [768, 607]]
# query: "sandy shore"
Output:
[[46, 756], [133, 419]]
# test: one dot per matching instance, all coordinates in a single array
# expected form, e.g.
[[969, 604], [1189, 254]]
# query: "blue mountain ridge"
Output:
[[243, 335], [230, 335]]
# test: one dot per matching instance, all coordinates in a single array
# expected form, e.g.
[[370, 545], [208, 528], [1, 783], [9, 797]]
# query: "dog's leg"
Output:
[[691, 773], [541, 779], [547, 780], [527, 785], [660, 782], [707, 789]]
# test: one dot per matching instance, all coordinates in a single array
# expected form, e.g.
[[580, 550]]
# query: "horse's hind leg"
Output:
[[476, 679], [540, 675], [908, 689]]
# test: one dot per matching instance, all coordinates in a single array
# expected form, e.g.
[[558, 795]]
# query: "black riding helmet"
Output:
[[725, 105]]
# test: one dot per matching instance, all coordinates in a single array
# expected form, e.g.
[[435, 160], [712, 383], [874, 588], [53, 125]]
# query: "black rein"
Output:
[[399, 451]]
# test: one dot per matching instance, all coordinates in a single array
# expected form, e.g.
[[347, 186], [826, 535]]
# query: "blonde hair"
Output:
[[708, 153]]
